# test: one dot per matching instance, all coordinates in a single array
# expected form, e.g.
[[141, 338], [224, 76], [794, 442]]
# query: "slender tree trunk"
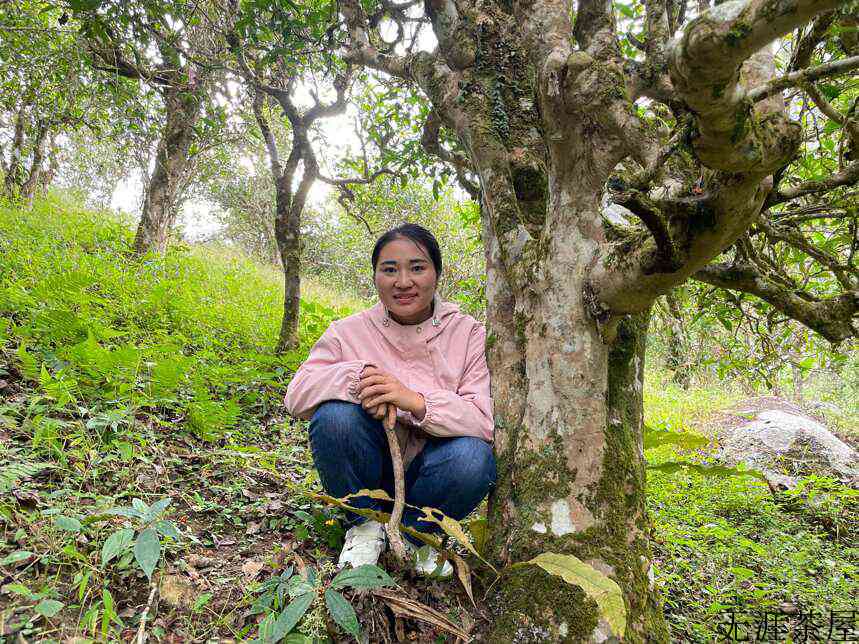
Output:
[[287, 235], [15, 171], [31, 184], [46, 176], [171, 162], [677, 358]]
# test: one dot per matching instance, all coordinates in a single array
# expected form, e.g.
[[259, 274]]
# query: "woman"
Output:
[[421, 361]]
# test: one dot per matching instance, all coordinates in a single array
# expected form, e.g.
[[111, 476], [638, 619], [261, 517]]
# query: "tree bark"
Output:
[[287, 233], [569, 446], [34, 176], [182, 107], [677, 358]]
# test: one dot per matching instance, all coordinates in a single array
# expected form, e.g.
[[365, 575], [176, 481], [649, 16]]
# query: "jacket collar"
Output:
[[402, 335]]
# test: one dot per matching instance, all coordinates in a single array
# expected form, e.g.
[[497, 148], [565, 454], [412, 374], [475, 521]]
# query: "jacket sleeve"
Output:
[[468, 410], [323, 376]]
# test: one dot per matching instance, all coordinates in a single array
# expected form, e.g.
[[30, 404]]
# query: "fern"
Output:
[[12, 474]]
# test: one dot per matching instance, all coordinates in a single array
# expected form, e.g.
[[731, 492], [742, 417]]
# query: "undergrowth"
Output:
[[128, 381]]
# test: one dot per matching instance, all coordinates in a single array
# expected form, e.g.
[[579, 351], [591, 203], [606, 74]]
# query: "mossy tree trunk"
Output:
[[544, 112], [182, 106]]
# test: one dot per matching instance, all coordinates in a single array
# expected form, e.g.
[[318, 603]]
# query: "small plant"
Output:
[[305, 590], [142, 538]]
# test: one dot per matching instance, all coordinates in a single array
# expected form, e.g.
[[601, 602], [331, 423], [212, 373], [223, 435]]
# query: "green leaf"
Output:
[[18, 589], [157, 508], [366, 576], [299, 586], [201, 602], [291, 615], [140, 506], [479, 529], [168, 529], [656, 437], [341, 611], [69, 524], [605, 592], [147, 550], [128, 513], [48, 607], [15, 557], [115, 544]]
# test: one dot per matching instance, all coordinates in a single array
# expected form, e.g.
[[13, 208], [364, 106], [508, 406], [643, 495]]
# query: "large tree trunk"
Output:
[[182, 107], [544, 110], [568, 412]]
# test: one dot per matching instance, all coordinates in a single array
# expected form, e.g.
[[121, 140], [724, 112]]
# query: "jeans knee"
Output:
[[335, 420], [475, 463]]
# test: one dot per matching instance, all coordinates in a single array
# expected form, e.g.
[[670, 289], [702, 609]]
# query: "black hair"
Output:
[[417, 234]]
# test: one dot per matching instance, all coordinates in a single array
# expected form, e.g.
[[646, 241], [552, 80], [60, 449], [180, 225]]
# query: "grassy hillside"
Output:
[[126, 382]]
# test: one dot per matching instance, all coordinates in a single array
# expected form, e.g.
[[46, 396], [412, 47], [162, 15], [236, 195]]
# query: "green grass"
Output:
[[141, 378], [726, 541], [668, 404], [149, 378]]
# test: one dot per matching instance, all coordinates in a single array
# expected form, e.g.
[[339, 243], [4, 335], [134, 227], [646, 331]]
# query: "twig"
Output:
[[141, 630], [803, 76], [392, 527]]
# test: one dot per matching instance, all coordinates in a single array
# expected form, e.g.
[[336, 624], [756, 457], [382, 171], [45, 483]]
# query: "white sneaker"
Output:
[[426, 561], [363, 545]]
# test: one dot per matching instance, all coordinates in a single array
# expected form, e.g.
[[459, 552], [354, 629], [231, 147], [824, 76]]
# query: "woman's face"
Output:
[[406, 280]]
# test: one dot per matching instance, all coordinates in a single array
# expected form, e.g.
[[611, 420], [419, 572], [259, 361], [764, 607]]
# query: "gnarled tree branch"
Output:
[[834, 318]]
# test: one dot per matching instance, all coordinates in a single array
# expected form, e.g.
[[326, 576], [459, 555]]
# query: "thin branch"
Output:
[[430, 141], [809, 42], [361, 51], [808, 75], [795, 238], [846, 177], [267, 134], [648, 212], [349, 181]]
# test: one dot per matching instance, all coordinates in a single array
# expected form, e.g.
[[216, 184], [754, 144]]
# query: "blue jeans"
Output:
[[350, 450]]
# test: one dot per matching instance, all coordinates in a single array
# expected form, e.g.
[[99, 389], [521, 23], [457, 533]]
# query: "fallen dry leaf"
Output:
[[177, 591], [464, 574], [199, 561], [403, 606], [250, 569]]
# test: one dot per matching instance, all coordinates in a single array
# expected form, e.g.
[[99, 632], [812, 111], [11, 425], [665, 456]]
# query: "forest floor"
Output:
[[124, 383]]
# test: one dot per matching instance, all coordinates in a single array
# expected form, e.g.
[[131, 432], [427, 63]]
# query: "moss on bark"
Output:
[[534, 606]]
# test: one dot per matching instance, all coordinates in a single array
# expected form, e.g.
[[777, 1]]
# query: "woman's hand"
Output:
[[377, 387], [386, 412]]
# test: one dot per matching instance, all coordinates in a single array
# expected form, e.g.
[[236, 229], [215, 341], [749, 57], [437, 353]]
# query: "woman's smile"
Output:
[[406, 281]]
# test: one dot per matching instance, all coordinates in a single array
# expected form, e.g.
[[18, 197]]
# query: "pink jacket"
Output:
[[445, 363]]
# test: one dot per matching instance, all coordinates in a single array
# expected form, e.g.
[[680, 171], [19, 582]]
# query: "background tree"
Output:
[[279, 49], [46, 92], [548, 107], [168, 47]]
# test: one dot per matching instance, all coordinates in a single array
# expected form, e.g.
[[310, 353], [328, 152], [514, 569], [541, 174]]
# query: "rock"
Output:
[[784, 445]]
